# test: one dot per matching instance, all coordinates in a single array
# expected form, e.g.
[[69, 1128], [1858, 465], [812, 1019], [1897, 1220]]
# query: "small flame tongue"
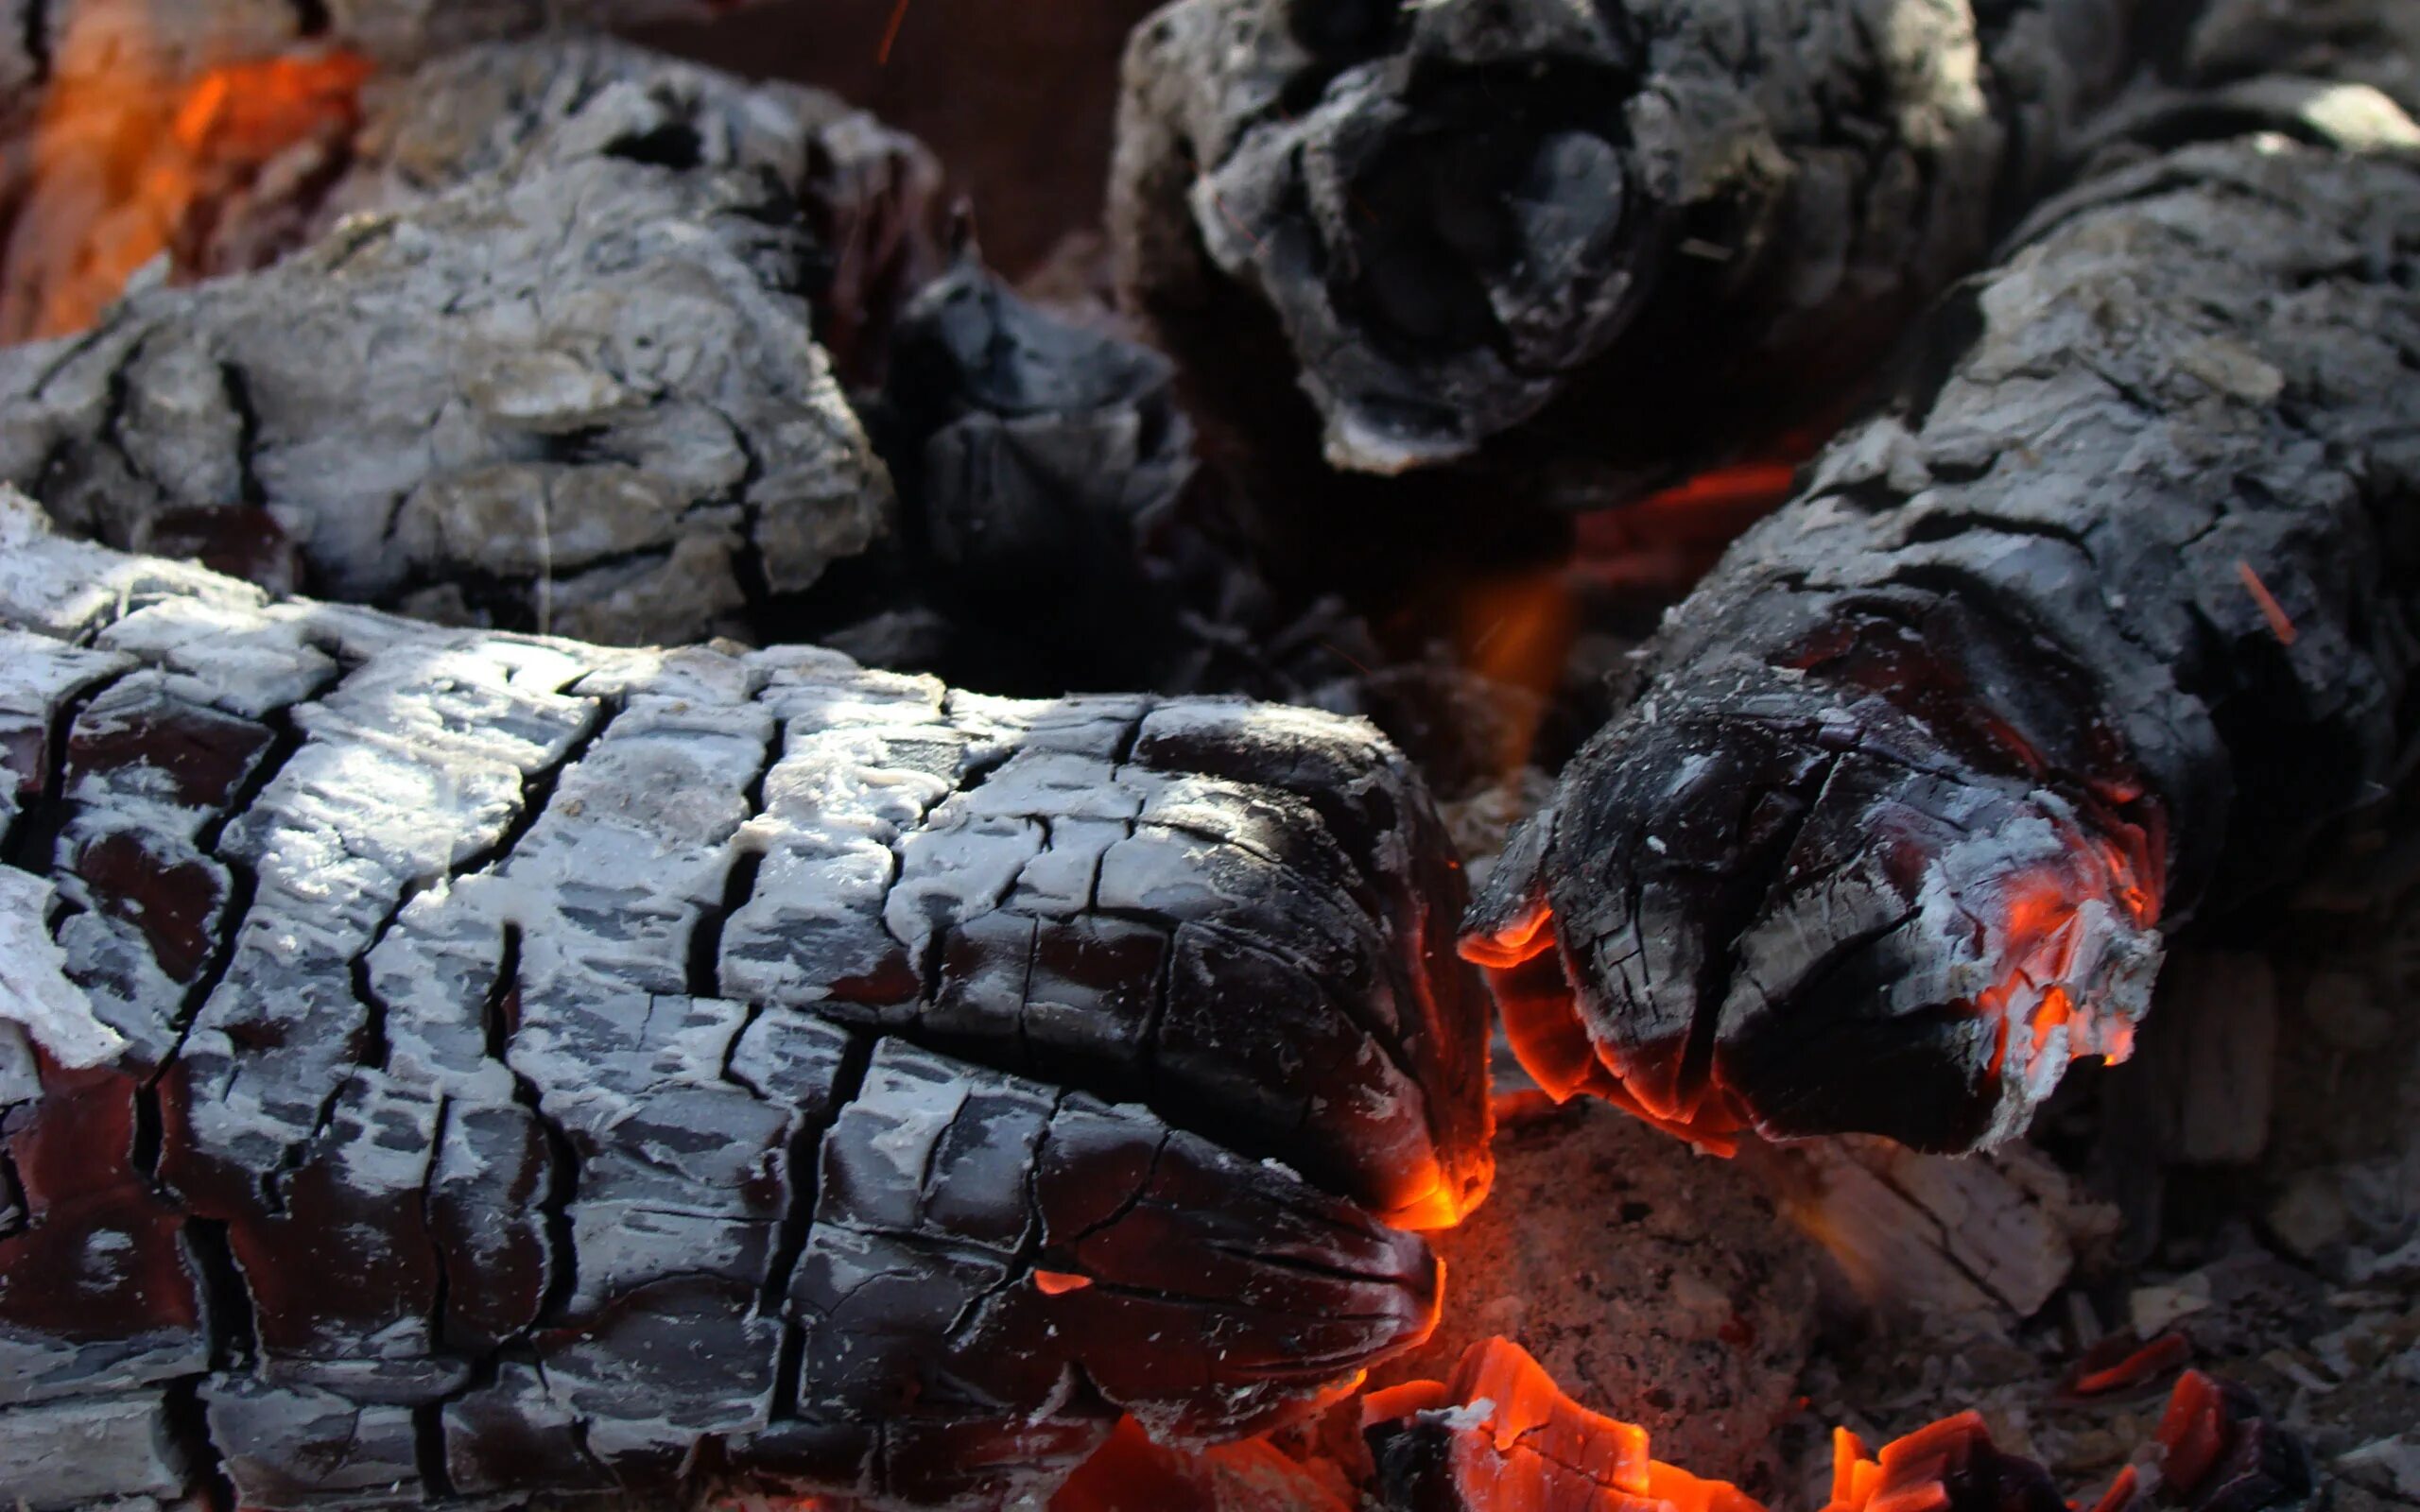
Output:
[[124, 166], [1500, 1437]]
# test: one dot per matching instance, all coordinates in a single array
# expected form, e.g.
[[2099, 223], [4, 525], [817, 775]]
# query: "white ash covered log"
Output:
[[2102, 624], [873, 196], [1605, 241], [548, 1069], [577, 393]]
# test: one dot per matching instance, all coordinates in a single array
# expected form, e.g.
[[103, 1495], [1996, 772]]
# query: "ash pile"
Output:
[[1462, 756]]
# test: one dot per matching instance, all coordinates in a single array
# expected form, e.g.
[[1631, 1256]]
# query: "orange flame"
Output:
[[127, 166], [1517, 631]]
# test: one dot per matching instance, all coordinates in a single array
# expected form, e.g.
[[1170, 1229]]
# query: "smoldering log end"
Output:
[[1777, 911]]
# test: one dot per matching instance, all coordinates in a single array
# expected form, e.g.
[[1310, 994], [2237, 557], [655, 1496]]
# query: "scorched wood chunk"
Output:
[[1040, 461], [578, 393], [551, 1069], [1609, 233], [2102, 623]]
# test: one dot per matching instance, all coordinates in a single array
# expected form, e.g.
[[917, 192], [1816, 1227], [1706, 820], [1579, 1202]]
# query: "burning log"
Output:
[[1603, 242], [577, 394], [2102, 623], [1500, 1437], [548, 1069]]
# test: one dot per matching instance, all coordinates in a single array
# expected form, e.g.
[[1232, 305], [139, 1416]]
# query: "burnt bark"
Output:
[[2100, 625], [1598, 244], [577, 392], [552, 1069]]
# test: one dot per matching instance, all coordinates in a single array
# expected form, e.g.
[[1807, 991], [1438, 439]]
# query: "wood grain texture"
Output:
[[556, 1070], [2100, 624]]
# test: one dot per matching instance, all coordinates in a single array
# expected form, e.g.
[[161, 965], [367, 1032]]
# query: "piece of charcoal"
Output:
[[2220, 1451], [2102, 625], [563, 379], [1040, 460], [1037, 462], [1600, 244], [552, 1068]]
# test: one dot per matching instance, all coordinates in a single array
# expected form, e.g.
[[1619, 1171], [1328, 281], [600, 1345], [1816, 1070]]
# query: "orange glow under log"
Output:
[[1059, 1282], [1518, 631], [1524, 938], [1533, 1003], [120, 169]]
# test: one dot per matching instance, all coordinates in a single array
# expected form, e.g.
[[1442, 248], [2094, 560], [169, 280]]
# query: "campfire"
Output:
[[1628, 758]]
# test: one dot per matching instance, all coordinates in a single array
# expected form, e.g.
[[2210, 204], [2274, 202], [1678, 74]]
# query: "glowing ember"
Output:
[[2121, 1361], [2280, 624], [1518, 631], [121, 169], [1500, 1437]]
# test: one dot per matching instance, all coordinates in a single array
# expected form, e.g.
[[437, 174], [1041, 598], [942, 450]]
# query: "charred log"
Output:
[[551, 1069], [2104, 624], [1602, 242], [578, 394]]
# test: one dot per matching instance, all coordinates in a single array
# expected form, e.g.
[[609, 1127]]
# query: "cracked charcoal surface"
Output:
[[1919, 774], [1602, 241], [620, 427], [553, 1068]]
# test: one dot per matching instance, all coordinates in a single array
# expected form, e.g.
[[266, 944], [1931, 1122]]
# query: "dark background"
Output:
[[1016, 96]]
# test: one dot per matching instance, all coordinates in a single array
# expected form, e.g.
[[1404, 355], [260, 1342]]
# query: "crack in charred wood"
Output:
[[31, 844], [802, 1187], [500, 1024], [189, 1423]]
